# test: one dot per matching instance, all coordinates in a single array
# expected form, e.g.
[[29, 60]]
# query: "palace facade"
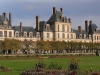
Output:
[[57, 28]]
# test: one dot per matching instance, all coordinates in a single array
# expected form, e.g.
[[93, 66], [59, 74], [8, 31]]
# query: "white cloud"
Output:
[[29, 7]]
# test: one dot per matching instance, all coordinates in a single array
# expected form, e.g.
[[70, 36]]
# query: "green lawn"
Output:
[[19, 65]]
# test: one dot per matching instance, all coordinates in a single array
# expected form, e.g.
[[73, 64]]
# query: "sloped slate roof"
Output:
[[92, 28], [24, 28], [42, 25], [83, 32], [55, 17], [2, 19]]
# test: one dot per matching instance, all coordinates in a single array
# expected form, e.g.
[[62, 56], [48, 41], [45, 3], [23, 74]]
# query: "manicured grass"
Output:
[[19, 65]]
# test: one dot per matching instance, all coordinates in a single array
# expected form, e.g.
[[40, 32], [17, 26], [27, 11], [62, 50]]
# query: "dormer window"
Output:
[[5, 26], [84, 36], [63, 19], [25, 34], [38, 35], [17, 34], [71, 29], [31, 35], [96, 30], [48, 28], [80, 36]]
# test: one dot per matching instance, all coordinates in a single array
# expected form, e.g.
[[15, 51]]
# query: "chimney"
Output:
[[54, 10], [37, 23], [10, 18], [21, 26], [61, 9], [90, 22], [86, 25], [70, 21], [4, 15], [80, 29]]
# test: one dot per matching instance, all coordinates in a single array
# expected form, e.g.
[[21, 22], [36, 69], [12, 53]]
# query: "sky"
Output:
[[25, 11]]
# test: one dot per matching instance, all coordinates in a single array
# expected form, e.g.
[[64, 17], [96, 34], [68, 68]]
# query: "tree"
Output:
[[15, 45], [6, 45], [27, 45]]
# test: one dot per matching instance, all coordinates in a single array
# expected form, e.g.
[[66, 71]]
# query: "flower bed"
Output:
[[4, 68], [56, 69]]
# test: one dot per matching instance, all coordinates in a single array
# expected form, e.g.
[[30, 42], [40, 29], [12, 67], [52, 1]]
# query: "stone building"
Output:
[[57, 28]]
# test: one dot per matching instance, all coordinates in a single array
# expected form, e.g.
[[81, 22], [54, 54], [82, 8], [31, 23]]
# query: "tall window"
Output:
[[95, 37], [17, 34], [48, 35], [71, 36], [63, 29], [58, 27], [67, 28], [0, 33], [63, 35], [58, 35], [68, 36], [5, 33], [10, 34]]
